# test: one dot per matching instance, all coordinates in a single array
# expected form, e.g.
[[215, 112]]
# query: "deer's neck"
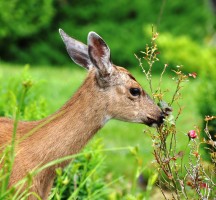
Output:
[[68, 130]]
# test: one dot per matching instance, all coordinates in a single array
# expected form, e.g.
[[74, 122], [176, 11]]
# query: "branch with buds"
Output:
[[183, 180]]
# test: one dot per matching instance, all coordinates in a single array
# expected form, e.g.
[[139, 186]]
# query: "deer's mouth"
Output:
[[154, 122]]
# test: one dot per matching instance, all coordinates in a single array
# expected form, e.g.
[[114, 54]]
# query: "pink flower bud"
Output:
[[192, 134], [203, 185]]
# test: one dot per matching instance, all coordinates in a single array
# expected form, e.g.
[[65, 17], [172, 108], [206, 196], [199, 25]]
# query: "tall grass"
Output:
[[8, 155]]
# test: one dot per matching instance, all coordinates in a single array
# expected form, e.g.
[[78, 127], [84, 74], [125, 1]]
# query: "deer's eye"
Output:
[[135, 91]]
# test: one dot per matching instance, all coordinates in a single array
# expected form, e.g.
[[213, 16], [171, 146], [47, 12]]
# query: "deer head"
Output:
[[125, 99]]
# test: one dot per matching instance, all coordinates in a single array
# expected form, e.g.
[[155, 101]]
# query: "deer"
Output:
[[108, 92]]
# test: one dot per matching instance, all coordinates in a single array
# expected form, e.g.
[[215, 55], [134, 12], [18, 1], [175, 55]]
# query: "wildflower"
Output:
[[155, 36], [193, 74], [189, 183], [192, 134], [209, 118], [196, 154], [203, 185]]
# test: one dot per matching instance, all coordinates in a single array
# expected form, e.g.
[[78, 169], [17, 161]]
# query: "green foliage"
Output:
[[84, 178], [33, 107], [120, 23], [191, 55], [21, 23], [208, 94], [8, 153], [207, 100], [20, 19], [170, 161]]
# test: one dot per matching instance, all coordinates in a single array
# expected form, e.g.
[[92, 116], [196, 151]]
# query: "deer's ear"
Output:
[[76, 50], [99, 54]]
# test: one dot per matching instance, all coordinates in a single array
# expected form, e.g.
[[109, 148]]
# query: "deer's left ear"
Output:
[[76, 50], [99, 54]]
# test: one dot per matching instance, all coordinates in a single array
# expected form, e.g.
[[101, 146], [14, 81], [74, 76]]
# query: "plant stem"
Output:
[[13, 142]]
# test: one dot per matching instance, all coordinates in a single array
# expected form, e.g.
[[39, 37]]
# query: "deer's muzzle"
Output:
[[155, 122]]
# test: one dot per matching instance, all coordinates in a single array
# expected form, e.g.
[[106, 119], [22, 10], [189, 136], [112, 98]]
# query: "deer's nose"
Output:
[[156, 121], [161, 119]]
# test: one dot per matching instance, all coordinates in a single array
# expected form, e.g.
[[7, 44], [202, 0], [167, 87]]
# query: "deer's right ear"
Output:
[[76, 50], [99, 54]]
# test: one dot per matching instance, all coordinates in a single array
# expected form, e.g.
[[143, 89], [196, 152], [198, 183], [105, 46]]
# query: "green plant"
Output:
[[33, 106], [183, 180], [206, 103], [8, 153], [193, 56], [28, 17], [30, 35], [84, 178]]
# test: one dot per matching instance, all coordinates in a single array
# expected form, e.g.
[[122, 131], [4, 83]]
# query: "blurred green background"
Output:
[[29, 35], [29, 29]]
